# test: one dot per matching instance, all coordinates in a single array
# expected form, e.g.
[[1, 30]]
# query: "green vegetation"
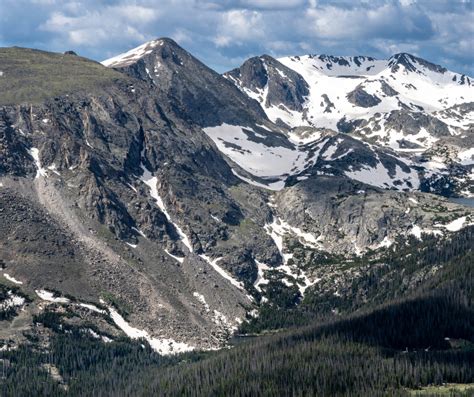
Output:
[[32, 76], [117, 303], [393, 350], [397, 343], [385, 280]]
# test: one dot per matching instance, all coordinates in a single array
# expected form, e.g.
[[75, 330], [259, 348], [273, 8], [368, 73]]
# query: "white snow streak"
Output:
[[222, 272], [12, 279], [40, 171], [163, 346], [151, 181], [177, 258], [49, 296]]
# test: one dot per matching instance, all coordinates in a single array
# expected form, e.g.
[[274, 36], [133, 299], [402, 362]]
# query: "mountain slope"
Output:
[[50, 75]]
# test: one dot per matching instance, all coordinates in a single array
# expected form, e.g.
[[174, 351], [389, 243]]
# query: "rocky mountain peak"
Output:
[[412, 63], [133, 55], [190, 87], [270, 82]]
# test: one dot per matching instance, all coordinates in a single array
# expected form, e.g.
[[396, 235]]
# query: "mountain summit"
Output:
[[190, 86]]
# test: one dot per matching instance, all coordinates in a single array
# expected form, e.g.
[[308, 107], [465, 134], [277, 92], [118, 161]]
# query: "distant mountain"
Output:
[[350, 88], [404, 103]]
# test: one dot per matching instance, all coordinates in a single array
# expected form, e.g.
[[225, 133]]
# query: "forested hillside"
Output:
[[391, 349]]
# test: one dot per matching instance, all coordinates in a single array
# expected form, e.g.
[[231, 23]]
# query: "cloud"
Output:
[[272, 4], [238, 26], [222, 33], [98, 26], [386, 21]]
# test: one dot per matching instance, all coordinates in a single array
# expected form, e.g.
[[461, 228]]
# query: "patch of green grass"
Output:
[[119, 304], [450, 389], [32, 76]]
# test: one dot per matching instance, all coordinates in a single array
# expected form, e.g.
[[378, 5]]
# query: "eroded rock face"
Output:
[[348, 215], [283, 86], [360, 97], [90, 155], [14, 157], [412, 63], [413, 122]]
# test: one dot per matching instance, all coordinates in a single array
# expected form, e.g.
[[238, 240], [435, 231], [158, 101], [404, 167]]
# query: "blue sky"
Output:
[[224, 33]]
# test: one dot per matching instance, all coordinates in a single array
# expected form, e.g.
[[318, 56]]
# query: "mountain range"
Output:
[[153, 197]]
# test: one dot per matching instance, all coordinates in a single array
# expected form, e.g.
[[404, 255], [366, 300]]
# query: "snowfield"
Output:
[[256, 157], [431, 90]]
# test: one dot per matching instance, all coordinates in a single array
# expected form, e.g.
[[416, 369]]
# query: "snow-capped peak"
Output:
[[413, 64], [330, 65], [334, 92], [407, 63], [129, 57]]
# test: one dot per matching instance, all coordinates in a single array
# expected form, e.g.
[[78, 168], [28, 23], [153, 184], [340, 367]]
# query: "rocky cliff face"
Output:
[[165, 195], [271, 82]]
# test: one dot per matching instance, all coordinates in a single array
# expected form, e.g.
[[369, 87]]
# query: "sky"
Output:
[[224, 33]]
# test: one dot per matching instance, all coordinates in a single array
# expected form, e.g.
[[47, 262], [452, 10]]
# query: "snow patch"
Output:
[[466, 157], [257, 158], [201, 299], [457, 224], [92, 308], [162, 346], [12, 300], [133, 55], [34, 152], [380, 177], [49, 296], [261, 280], [12, 279], [385, 243]]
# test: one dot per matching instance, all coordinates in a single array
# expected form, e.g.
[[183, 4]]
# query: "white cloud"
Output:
[[100, 25], [223, 32], [238, 26], [386, 20], [182, 36], [271, 4]]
